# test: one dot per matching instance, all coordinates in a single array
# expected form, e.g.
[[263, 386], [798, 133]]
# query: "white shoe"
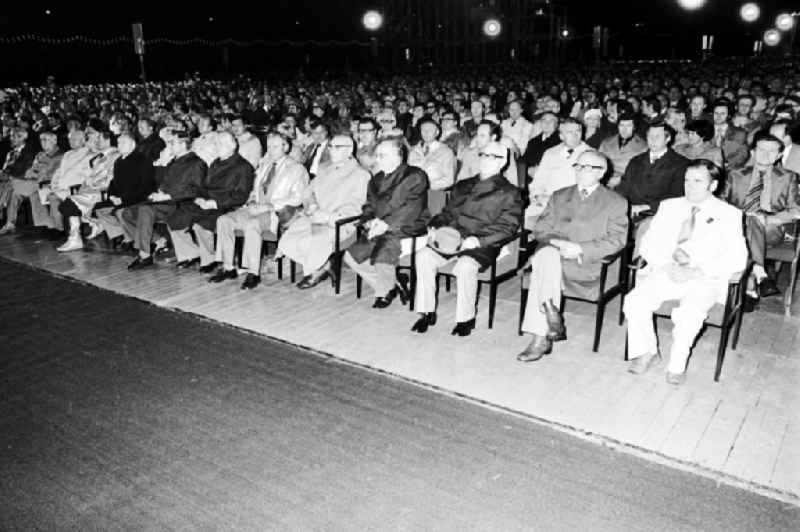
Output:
[[72, 244]]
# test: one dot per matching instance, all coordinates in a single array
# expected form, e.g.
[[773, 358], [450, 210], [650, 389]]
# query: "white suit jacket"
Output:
[[717, 245], [555, 170]]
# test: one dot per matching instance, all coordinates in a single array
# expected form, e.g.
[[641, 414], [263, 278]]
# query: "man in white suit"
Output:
[[693, 247]]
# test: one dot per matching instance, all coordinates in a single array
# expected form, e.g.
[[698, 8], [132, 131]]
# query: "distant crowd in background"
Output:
[[456, 169]]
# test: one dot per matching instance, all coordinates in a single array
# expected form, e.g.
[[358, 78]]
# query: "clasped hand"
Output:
[[159, 195], [568, 250], [375, 228]]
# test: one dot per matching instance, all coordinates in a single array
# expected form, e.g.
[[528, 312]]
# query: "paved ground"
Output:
[[115, 414]]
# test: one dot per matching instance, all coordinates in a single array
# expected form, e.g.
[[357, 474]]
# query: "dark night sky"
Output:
[[338, 19]]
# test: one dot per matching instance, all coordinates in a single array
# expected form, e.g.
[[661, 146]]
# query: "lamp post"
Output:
[[785, 22], [372, 21], [750, 12]]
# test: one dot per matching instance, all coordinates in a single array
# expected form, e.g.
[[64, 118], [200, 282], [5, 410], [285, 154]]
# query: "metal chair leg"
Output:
[[598, 325], [358, 286], [723, 344], [492, 302], [737, 328], [523, 300], [292, 270]]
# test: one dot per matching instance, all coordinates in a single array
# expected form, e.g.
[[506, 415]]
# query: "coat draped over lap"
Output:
[[134, 179], [183, 177], [598, 223], [490, 209], [401, 200], [228, 182]]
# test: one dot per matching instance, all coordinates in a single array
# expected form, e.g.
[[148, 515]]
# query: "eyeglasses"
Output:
[[581, 167], [366, 129], [492, 155], [340, 146], [386, 121]]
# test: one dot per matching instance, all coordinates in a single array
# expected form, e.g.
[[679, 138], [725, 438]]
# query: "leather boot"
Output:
[[539, 347], [555, 323]]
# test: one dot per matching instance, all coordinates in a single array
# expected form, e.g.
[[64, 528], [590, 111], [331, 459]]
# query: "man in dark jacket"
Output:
[[226, 187], [485, 210], [396, 210], [133, 181], [150, 144], [182, 182], [652, 176]]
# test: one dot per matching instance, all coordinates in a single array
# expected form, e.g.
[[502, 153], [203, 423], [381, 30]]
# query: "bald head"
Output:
[[226, 144]]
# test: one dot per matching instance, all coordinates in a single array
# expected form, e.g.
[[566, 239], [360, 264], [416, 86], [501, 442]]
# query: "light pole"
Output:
[[785, 22], [372, 21]]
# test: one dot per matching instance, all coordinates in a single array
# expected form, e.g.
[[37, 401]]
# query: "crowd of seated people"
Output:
[[695, 169]]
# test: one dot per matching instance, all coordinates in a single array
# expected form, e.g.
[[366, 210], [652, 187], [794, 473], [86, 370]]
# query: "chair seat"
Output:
[[783, 252], [714, 315]]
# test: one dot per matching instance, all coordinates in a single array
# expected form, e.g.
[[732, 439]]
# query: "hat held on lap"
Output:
[[446, 240]]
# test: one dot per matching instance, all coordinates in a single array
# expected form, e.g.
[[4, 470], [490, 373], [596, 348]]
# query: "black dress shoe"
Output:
[[750, 303], [555, 323], [385, 301], [767, 287], [208, 268], [139, 263], [312, 280], [463, 328], [182, 265], [428, 319], [251, 281], [223, 275]]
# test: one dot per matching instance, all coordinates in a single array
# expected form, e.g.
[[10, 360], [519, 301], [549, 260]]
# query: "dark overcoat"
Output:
[[401, 200], [490, 209], [648, 183], [228, 182], [133, 179]]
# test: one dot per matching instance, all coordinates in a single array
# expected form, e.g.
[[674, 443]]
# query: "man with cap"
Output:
[[482, 211], [580, 225]]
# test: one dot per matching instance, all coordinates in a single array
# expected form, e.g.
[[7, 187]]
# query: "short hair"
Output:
[[714, 171], [149, 122], [574, 121], [722, 102], [666, 127], [746, 97], [654, 102], [455, 115], [597, 154], [428, 120], [287, 141], [319, 123], [704, 128], [495, 131], [212, 123], [48, 134], [369, 120], [766, 136], [398, 142], [97, 125], [229, 135]]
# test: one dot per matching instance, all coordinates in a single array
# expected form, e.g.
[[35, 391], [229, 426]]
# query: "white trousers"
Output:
[[255, 228], [428, 263], [696, 298], [187, 249]]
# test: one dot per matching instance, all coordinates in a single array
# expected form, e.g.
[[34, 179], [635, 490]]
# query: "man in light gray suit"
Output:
[[790, 159]]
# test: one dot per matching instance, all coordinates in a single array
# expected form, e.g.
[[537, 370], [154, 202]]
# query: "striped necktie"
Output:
[[753, 198]]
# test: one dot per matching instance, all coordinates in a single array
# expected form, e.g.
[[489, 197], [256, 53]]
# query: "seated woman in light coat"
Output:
[[338, 191]]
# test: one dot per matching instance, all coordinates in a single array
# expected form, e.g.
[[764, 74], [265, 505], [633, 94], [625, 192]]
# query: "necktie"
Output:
[[513, 123], [720, 134], [310, 160], [569, 152], [268, 180], [753, 198], [425, 151], [688, 226], [584, 193]]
